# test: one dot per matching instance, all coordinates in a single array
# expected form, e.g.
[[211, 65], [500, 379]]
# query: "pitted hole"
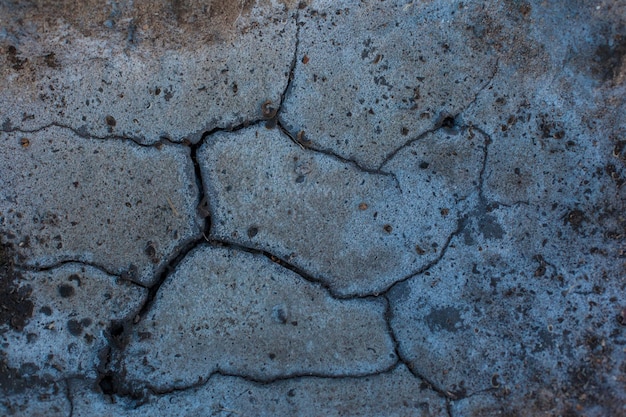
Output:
[[448, 122], [106, 385], [117, 329], [252, 231], [66, 290], [75, 328], [116, 332]]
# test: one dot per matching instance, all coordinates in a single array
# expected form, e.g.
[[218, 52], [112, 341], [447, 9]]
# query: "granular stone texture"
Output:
[[356, 231], [241, 314], [141, 69], [114, 204], [75, 312], [315, 207], [393, 393]]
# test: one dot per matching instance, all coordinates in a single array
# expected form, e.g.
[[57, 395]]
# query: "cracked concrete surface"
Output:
[[236, 303], [364, 230], [114, 204], [312, 208]]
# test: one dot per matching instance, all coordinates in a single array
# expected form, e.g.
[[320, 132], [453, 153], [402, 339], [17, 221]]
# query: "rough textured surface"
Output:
[[50, 400], [114, 204], [488, 318], [391, 71], [393, 393], [323, 207], [357, 232], [75, 308], [141, 69], [239, 313]]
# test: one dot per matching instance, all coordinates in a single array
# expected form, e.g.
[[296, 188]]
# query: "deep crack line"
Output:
[[183, 249], [336, 157], [292, 65], [461, 222], [203, 382], [69, 396], [295, 138], [82, 134], [427, 381], [51, 267], [285, 264], [463, 217], [388, 315]]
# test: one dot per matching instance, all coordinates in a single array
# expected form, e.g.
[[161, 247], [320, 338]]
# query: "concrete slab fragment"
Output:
[[72, 308], [267, 193], [394, 393], [238, 313], [142, 69], [115, 204], [370, 76], [504, 313]]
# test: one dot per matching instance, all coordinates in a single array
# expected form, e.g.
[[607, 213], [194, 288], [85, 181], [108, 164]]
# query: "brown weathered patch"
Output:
[[15, 306], [171, 22], [609, 60], [13, 57], [18, 380]]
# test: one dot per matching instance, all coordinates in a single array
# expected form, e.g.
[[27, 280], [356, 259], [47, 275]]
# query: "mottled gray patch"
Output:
[[443, 319], [490, 228]]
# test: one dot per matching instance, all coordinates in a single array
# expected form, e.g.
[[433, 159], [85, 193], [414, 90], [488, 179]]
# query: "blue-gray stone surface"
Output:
[[346, 208]]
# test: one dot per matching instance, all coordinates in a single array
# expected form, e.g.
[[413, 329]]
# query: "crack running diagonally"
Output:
[[285, 264], [426, 383], [439, 122], [337, 157]]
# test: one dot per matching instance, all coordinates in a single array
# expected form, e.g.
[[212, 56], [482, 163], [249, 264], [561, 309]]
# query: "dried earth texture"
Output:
[[349, 208]]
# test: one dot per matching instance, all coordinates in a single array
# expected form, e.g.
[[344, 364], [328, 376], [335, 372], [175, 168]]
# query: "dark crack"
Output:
[[85, 135], [69, 396], [141, 393], [461, 223], [405, 145], [298, 137], [229, 129], [496, 68], [119, 332], [427, 382], [449, 408], [336, 157], [292, 65], [285, 264], [56, 265], [185, 248], [444, 121]]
